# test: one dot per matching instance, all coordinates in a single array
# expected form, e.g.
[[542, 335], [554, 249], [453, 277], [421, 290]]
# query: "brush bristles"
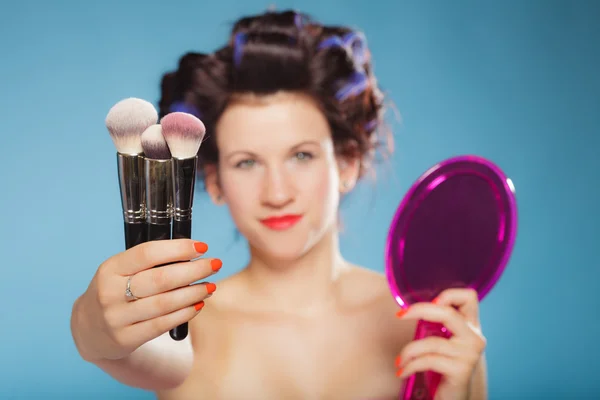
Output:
[[154, 145], [127, 120], [183, 133]]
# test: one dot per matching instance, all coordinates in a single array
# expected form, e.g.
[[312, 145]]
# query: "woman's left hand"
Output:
[[455, 358]]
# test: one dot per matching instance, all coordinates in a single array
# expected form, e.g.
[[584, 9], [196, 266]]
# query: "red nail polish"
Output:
[[401, 313], [398, 361], [216, 264], [399, 372], [211, 287], [200, 247], [199, 306]]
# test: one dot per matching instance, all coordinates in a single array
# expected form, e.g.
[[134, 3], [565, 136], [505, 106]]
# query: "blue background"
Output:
[[514, 81]]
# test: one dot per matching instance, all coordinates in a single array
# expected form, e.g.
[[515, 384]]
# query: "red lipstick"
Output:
[[282, 222]]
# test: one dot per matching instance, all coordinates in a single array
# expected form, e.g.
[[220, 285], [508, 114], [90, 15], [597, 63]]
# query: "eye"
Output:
[[303, 156], [244, 164]]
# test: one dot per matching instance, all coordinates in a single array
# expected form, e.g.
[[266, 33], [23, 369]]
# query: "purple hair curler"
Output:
[[455, 228]]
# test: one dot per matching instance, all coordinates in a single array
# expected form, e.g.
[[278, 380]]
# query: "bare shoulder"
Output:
[[368, 287], [228, 293], [209, 333], [371, 289], [213, 317]]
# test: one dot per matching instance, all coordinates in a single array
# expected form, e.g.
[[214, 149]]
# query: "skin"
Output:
[[299, 322]]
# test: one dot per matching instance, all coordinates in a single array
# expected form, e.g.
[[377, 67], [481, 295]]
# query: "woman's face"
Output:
[[278, 173]]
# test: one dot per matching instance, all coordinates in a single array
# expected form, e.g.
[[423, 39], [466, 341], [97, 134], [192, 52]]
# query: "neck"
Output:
[[304, 285]]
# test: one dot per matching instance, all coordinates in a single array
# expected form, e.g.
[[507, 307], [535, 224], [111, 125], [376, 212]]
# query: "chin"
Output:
[[282, 255], [282, 248], [288, 245]]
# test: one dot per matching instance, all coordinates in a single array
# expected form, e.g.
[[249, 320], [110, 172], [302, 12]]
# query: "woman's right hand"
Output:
[[107, 325]]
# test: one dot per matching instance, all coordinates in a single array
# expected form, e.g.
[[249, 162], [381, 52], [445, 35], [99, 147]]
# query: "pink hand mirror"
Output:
[[455, 228]]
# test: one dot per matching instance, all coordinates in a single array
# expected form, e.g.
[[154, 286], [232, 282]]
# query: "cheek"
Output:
[[320, 184], [240, 191], [325, 186]]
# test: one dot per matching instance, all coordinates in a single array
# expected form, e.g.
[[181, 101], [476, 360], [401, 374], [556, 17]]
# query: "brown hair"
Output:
[[283, 51]]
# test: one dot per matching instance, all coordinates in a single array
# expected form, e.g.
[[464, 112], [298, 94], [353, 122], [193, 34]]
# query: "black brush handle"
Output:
[[180, 332], [159, 232], [181, 230], [135, 234]]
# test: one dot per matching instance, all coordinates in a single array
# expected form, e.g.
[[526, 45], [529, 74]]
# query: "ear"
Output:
[[211, 181], [348, 169]]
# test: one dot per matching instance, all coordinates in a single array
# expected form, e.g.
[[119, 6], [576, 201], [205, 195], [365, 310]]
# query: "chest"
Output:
[[329, 358]]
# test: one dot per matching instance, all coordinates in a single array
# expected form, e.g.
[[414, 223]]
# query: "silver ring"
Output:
[[129, 296]]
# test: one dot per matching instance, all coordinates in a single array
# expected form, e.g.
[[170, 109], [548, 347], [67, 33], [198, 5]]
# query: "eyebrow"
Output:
[[294, 147]]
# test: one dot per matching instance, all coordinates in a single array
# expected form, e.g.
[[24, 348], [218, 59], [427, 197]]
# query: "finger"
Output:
[[465, 300], [169, 277], [145, 331], [165, 303], [430, 362], [445, 315], [429, 345], [150, 254]]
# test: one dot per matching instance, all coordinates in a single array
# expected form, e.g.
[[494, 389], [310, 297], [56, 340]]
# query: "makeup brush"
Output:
[[183, 133], [159, 192], [126, 121]]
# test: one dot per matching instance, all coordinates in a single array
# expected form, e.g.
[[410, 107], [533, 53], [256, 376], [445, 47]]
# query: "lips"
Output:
[[282, 222]]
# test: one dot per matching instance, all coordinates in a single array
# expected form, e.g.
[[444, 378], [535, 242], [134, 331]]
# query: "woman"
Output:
[[291, 109]]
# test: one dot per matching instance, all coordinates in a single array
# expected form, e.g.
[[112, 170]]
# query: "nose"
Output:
[[278, 188]]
